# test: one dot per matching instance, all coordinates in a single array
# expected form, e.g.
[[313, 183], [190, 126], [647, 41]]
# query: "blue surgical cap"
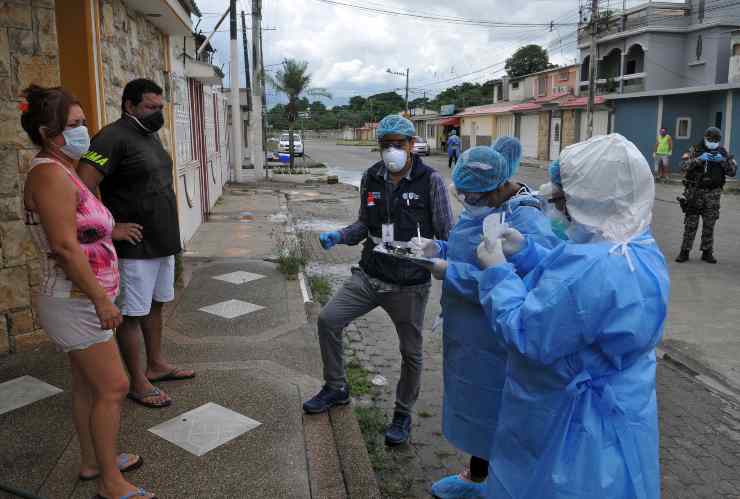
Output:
[[395, 124], [554, 171], [481, 169], [511, 149]]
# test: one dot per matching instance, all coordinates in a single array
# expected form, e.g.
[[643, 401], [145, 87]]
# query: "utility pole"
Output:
[[256, 123], [592, 70], [236, 114], [246, 59], [407, 91]]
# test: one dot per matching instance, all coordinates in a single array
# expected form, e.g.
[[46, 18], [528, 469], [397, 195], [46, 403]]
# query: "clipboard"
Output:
[[422, 261]]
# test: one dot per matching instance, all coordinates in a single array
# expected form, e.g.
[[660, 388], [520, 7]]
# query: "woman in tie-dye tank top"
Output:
[[74, 234]]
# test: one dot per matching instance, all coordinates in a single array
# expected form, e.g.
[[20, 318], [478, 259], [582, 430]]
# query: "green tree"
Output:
[[293, 80], [526, 60]]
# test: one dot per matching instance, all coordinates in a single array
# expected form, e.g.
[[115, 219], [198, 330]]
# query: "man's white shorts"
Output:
[[144, 281]]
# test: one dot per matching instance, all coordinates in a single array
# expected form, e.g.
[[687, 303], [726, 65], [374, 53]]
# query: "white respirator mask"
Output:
[[394, 159]]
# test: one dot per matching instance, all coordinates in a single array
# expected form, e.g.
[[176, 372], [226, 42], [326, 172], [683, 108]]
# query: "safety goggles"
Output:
[[398, 144]]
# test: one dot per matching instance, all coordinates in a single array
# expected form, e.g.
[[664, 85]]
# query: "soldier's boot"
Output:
[[708, 257], [683, 257]]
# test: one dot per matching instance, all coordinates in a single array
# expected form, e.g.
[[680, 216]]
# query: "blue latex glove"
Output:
[[718, 157], [707, 157], [330, 239]]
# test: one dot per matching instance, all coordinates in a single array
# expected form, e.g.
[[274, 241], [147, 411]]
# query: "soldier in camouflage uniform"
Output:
[[706, 166]]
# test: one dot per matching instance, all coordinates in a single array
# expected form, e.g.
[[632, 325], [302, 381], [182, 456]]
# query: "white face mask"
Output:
[[76, 142], [711, 145], [394, 159]]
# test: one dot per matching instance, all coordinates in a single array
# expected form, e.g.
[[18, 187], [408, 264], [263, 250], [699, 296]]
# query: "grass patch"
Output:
[[372, 424], [358, 378], [320, 288]]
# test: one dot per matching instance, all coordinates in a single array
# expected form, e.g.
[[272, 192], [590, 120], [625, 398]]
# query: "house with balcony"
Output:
[[660, 45], [666, 64]]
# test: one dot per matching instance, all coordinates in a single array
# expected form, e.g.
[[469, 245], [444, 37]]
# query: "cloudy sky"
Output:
[[349, 50]]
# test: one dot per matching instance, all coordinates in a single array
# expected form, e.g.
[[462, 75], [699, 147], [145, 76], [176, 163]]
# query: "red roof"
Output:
[[487, 109], [451, 121], [527, 106], [576, 102]]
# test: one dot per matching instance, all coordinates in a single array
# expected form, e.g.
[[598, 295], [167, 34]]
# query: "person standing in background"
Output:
[[453, 148], [662, 154]]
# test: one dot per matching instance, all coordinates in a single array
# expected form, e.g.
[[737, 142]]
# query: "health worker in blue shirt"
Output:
[[474, 359], [578, 417]]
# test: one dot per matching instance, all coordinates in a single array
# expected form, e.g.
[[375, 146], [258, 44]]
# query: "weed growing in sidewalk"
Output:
[[320, 288], [372, 425], [291, 257], [358, 378]]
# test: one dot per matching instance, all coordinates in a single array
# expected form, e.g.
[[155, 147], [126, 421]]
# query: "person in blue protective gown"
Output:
[[552, 198], [578, 416], [474, 360]]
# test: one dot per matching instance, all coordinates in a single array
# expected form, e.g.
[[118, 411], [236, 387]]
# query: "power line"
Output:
[[445, 19]]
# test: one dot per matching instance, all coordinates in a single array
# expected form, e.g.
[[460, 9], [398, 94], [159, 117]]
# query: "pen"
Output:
[[418, 229]]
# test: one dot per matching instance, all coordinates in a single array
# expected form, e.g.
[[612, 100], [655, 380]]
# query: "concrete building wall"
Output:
[[694, 106], [712, 64], [28, 54], [637, 120], [665, 61]]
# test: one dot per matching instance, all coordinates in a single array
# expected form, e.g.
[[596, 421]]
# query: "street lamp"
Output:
[[407, 84]]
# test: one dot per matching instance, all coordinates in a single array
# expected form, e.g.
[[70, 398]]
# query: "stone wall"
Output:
[[28, 54], [131, 47]]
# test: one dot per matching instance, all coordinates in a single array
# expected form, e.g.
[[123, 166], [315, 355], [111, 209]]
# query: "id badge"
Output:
[[388, 233]]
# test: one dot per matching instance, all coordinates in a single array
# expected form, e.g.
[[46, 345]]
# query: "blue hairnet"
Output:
[[395, 124], [554, 171], [511, 149], [481, 169]]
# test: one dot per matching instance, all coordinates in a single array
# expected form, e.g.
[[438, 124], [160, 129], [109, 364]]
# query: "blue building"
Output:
[[685, 112]]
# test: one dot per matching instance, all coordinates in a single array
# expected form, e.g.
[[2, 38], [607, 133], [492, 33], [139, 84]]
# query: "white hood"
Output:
[[609, 187]]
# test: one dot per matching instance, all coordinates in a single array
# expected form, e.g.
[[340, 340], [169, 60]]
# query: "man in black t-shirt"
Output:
[[133, 170]]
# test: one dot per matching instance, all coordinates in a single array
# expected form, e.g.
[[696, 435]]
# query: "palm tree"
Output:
[[293, 80]]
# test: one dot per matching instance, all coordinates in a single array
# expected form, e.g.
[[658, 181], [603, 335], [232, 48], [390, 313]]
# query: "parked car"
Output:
[[421, 146], [284, 144]]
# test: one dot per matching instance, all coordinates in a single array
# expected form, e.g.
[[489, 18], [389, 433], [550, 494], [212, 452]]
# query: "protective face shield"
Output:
[[76, 142], [475, 203], [394, 158]]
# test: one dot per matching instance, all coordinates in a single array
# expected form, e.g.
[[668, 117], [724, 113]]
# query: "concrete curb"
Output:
[[711, 379], [359, 476]]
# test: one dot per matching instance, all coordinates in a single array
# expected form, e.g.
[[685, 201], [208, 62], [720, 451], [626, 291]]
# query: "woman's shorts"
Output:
[[71, 323]]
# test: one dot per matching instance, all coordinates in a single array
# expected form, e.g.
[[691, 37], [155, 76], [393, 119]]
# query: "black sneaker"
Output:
[[326, 399], [399, 431], [708, 257], [683, 257]]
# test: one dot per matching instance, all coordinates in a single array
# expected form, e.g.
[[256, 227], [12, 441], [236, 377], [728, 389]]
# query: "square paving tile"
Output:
[[239, 277], [205, 428], [230, 309], [22, 391]]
